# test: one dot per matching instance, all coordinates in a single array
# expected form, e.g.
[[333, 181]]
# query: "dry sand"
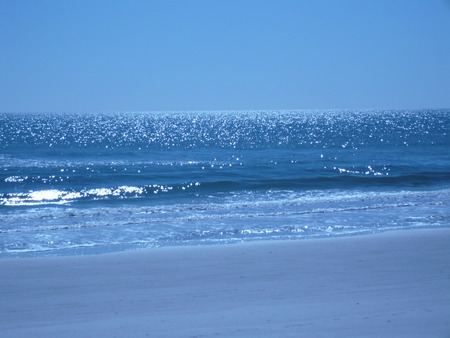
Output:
[[394, 284]]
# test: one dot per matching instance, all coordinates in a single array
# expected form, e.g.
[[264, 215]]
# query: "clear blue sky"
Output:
[[108, 55]]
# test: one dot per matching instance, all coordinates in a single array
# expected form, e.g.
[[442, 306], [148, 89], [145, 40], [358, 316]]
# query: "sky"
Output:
[[195, 55]]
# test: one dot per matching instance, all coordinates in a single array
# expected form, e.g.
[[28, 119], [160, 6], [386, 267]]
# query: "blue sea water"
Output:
[[89, 183]]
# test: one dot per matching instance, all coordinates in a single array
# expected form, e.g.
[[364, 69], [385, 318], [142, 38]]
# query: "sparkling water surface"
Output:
[[89, 183]]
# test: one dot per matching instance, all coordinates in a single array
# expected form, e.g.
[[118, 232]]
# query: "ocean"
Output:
[[74, 184]]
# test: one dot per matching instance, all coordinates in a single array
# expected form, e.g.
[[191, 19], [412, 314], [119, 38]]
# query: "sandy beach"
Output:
[[393, 284]]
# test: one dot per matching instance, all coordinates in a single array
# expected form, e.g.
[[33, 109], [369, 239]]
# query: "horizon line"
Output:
[[216, 110]]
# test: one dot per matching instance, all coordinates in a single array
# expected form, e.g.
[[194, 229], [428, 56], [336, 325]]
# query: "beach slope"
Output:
[[393, 284]]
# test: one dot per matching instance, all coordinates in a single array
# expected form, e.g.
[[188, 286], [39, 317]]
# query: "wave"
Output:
[[237, 205], [217, 218], [54, 196], [341, 181], [334, 181]]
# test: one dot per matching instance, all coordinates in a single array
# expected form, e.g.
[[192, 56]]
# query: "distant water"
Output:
[[89, 183]]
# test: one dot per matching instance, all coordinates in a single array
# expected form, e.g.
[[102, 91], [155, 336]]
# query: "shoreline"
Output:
[[125, 249], [390, 284]]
